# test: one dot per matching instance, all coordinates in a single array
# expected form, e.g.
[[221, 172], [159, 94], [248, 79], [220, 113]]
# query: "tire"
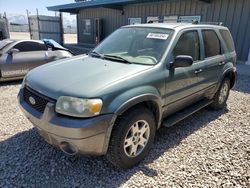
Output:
[[221, 96], [127, 139]]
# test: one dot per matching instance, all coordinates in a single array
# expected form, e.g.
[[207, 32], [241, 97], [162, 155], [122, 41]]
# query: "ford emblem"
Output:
[[32, 100]]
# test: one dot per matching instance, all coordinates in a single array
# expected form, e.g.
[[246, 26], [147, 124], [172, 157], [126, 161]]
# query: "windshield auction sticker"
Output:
[[160, 36]]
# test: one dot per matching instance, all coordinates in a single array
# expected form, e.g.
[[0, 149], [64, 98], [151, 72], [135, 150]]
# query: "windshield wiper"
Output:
[[117, 58], [96, 54]]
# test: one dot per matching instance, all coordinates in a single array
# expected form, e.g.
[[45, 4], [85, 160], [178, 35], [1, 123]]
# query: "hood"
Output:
[[80, 76]]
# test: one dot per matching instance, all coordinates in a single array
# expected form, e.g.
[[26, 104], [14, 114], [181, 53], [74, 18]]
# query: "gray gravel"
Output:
[[208, 149]]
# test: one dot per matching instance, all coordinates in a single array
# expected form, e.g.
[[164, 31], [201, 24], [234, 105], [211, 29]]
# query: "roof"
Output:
[[75, 7]]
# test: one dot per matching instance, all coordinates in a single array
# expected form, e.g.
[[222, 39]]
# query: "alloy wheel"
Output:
[[223, 93], [136, 138]]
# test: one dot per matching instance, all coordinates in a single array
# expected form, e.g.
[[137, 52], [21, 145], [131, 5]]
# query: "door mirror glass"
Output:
[[13, 51], [182, 61]]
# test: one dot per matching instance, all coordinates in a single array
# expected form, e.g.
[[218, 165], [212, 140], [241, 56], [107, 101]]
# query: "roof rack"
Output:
[[208, 23]]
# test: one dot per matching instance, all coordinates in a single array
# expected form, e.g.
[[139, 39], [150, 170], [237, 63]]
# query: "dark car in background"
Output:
[[17, 57]]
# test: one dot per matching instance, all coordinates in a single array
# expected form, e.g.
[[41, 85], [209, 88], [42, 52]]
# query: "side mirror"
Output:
[[182, 61], [13, 51]]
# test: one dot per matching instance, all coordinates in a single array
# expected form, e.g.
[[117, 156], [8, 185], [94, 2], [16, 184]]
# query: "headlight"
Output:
[[78, 107]]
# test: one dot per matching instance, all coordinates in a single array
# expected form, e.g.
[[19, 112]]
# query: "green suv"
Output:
[[112, 100]]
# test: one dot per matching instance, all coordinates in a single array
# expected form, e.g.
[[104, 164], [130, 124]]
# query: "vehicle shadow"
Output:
[[26, 157]]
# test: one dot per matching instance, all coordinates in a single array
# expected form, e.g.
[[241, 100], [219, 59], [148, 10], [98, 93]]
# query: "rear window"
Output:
[[228, 40], [211, 43]]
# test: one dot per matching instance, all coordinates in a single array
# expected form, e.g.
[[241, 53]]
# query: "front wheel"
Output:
[[132, 137], [220, 98]]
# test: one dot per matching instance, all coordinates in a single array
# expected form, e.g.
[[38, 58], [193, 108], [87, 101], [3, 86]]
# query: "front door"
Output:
[[98, 30], [182, 84]]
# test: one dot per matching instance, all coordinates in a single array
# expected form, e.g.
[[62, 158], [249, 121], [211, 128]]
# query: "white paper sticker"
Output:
[[160, 36]]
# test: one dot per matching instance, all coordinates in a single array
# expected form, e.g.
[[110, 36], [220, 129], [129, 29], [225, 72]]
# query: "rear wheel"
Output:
[[221, 96], [132, 137]]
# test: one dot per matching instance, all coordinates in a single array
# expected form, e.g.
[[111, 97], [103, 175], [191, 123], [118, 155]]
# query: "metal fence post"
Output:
[[27, 11]]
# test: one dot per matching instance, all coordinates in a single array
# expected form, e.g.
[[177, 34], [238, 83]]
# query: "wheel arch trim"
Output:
[[225, 72], [228, 71], [129, 104]]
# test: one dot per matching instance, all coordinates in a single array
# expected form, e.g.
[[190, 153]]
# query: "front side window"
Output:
[[211, 43], [139, 45], [188, 44], [30, 46]]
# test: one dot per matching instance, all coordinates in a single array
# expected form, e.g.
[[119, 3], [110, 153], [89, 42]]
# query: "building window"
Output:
[[87, 27], [133, 21]]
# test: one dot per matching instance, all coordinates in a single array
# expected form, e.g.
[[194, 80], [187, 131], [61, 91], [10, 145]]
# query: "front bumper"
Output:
[[84, 136]]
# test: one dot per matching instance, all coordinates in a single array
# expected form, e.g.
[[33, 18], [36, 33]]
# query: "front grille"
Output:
[[35, 100]]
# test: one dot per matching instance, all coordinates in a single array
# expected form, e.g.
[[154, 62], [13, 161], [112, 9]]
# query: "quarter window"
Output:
[[228, 40], [211, 43], [188, 44]]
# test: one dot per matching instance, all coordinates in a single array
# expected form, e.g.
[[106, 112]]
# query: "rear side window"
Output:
[[211, 43], [228, 40], [188, 44], [30, 46]]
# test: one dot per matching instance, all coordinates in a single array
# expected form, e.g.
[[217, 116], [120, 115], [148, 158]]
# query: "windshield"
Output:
[[4, 43], [140, 45]]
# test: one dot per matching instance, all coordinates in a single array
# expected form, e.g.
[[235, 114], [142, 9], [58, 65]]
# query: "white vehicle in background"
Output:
[[17, 57]]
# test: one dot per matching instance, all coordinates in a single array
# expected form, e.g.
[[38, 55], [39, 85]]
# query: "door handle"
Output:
[[198, 71], [222, 63]]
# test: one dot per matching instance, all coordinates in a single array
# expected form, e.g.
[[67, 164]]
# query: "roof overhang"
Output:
[[75, 7], [113, 4]]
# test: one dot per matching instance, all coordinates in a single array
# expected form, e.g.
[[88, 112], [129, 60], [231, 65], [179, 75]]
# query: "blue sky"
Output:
[[20, 6]]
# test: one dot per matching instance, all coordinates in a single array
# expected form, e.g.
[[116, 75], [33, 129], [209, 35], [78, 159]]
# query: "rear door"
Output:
[[30, 54], [213, 58]]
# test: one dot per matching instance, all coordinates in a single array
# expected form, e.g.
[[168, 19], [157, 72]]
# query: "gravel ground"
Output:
[[208, 149]]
